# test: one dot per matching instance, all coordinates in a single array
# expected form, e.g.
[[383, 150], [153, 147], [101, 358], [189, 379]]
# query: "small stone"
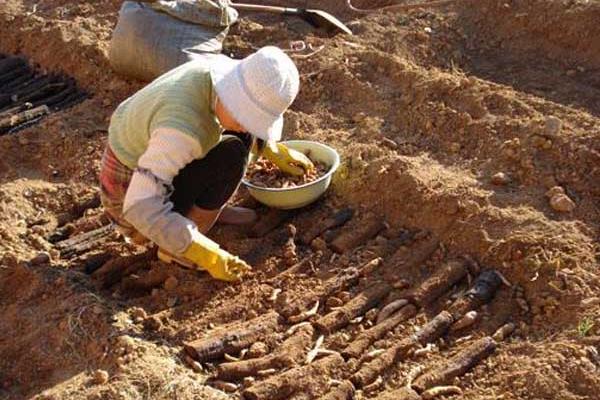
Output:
[[258, 349], [500, 178], [333, 302], [120, 361], [251, 314], [318, 244], [562, 203], [248, 381], [345, 296], [97, 309], [226, 387], [590, 301], [138, 313], [455, 147], [41, 258], [538, 141], [555, 190], [193, 364], [359, 117], [552, 126], [371, 315], [153, 323], [125, 344], [172, 301], [171, 283], [37, 229], [54, 254], [100, 376], [523, 304], [571, 72], [389, 143]]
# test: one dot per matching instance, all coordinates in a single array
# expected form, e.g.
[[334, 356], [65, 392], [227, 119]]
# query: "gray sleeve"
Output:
[[148, 209]]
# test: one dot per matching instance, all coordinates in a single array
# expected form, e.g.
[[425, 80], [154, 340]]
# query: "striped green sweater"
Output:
[[182, 99]]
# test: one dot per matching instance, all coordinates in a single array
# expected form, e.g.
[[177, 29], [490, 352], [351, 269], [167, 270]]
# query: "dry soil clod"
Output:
[[357, 235], [289, 248], [336, 220], [284, 385], [232, 340], [289, 353], [354, 308]]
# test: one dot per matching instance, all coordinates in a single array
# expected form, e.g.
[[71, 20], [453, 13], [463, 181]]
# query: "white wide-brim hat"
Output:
[[257, 90]]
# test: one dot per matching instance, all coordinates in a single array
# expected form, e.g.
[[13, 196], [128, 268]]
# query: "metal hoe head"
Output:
[[321, 19]]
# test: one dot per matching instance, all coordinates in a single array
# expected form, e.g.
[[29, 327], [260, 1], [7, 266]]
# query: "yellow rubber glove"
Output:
[[288, 160], [217, 262]]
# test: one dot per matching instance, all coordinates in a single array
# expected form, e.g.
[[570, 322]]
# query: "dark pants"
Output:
[[210, 182]]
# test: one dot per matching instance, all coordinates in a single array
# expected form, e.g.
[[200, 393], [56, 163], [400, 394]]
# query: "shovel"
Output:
[[317, 18]]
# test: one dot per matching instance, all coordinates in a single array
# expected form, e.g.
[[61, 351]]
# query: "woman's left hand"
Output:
[[288, 160]]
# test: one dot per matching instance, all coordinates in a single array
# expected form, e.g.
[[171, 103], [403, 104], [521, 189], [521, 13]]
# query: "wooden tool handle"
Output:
[[270, 9]]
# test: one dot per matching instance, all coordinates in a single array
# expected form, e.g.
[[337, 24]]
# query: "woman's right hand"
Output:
[[219, 263]]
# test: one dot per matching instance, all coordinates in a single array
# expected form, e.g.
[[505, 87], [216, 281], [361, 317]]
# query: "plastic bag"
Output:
[[152, 38]]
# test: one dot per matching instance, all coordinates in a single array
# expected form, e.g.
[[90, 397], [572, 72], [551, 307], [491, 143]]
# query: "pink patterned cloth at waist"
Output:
[[114, 181]]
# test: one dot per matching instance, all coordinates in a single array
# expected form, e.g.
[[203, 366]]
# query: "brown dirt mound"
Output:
[[453, 125]]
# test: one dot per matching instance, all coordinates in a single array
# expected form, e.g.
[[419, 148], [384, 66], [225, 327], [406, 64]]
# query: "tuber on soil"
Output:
[[357, 235], [437, 391], [371, 370], [434, 329], [268, 222], [355, 307], [23, 116], [234, 339], [338, 219], [283, 386], [437, 284], [84, 242], [457, 365], [116, 268], [429, 332], [390, 309], [291, 352], [364, 340], [348, 277]]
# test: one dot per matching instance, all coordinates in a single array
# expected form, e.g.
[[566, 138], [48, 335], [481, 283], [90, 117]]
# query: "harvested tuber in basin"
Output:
[[272, 188]]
